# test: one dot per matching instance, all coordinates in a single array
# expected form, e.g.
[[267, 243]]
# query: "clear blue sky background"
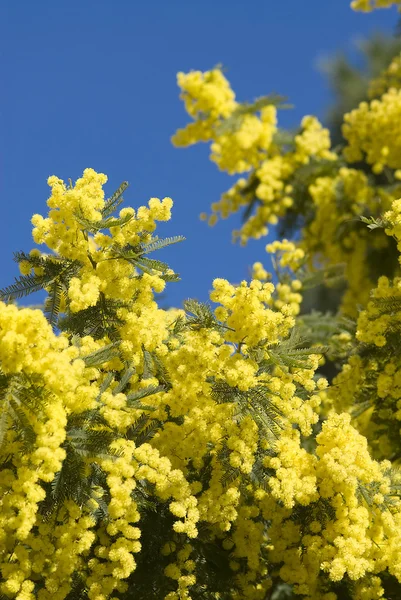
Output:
[[93, 84]]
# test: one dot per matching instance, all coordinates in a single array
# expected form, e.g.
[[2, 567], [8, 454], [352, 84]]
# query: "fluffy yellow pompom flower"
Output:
[[245, 147], [247, 314], [289, 254], [206, 93], [373, 131], [207, 420], [62, 231], [259, 272], [375, 325]]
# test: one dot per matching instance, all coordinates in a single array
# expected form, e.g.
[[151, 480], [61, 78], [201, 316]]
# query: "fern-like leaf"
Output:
[[122, 384], [114, 201], [170, 277], [96, 321], [108, 223], [388, 305], [149, 264], [200, 315], [157, 244], [143, 429], [134, 397], [148, 366], [33, 260], [330, 276], [256, 402], [373, 223], [52, 303], [23, 286], [22, 426], [4, 422], [148, 432], [102, 355], [232, 122]]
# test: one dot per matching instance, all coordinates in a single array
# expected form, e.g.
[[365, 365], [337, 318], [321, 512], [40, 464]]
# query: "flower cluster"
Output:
[[244, 310], [244, 139], [181, 410], [209, 100], [347, 539], [90, 416], [299, 178], [335, 237], [371, 131], [240, 150], [200, 453], [368, 384]]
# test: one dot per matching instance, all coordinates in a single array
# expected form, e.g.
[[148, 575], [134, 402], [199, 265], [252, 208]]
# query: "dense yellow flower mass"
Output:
[[338, 195], [369, 384], [60, 230], [300, 176], [335, 237], [245, 140], [207, 93], [342, 475], [239, 151], [200, 417], [202, 452], [372, 130], [243, 310], [333, 512], [209, 100]]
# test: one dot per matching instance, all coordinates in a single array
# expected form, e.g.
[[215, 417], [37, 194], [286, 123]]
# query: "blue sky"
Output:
[[93, 84]]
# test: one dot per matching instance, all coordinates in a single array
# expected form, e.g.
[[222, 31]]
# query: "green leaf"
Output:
[[148, 432], [373, 223], [114, 201], [170, 277], [35, 261], [151, 264], [92, 443], [282, 137], [234, 120], [95, 226], [331, 275], [148, 366], [98, 357], [4, 421], [178, 326], [360, 408], [96, 321], [54, 270], [21, 425], [105, 384], [23, 286], [157, 244], [256, 402], [389, 305], [200, 314], [293, 352], [52, 303], [128, 373], [143, 393], [143, 429]]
